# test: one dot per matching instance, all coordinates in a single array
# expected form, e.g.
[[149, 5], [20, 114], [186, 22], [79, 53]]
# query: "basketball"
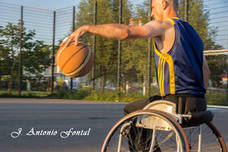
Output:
[[74, 61]]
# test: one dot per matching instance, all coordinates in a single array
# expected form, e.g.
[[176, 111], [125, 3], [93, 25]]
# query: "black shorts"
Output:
[[184, 103]]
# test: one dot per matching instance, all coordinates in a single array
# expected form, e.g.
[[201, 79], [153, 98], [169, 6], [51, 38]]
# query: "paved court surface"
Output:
[[43, 125]]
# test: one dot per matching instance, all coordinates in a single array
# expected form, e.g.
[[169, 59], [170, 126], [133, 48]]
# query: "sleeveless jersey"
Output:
[[180, 70]]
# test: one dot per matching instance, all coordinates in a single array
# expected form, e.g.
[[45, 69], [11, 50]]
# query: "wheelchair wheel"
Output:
[[146, 131], [211, 139]]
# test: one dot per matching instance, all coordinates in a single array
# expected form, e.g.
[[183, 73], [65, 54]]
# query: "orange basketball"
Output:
[[74, 61]]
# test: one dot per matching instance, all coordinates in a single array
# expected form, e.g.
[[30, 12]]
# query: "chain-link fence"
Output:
[[34, 35], [30, 37]]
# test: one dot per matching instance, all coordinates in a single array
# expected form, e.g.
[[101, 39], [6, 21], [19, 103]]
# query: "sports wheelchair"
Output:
[[159, 128]]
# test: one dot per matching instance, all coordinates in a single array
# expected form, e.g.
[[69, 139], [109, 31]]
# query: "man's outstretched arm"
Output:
[[119, 31]]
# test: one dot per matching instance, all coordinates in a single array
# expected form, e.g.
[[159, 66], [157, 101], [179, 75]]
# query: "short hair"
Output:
[[175, 3]]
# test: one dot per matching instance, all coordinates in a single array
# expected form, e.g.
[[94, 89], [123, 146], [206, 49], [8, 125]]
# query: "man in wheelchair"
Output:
[[181, 69]]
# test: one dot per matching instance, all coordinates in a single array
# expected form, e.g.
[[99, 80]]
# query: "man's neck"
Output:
[[169, 13]]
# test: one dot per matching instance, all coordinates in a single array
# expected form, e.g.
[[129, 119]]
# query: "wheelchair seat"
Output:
[[197, 118], [188, 120]]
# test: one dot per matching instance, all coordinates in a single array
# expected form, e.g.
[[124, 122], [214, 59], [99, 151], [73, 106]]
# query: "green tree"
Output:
[[198, 17], [217, 65], [35, 53], [136, 55], [106, 55]]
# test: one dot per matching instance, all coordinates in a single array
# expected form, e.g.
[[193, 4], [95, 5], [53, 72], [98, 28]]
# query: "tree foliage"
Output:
[[35, 54], [198, 17], [138, 49], [106, 54]]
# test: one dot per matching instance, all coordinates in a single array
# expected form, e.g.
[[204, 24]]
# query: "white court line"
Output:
[[214, 106]]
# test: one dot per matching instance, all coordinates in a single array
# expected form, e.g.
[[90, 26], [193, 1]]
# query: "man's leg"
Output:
[[142, 141], [138, 105]]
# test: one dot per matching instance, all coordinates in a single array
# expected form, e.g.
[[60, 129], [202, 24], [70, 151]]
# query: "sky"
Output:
[[218, 12], [219, 18], [49, 4]]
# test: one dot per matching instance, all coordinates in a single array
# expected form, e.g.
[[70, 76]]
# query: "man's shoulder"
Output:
[[158, 24]]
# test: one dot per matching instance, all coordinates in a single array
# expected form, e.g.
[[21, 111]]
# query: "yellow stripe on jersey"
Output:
[[173, 22], [171, 73], [159, 74], [161, 66], [163, 74], [176, 18]]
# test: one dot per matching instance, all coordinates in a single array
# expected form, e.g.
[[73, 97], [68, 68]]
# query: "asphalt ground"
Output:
[[53, 125]]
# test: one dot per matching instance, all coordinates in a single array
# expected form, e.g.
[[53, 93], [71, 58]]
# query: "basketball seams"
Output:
[[61, 50], [73, 56], [75, 62], [87, 68], [59, 53], [84, 63]]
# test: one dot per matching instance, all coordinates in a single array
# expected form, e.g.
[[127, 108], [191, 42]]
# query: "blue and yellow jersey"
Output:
[[180, 70]]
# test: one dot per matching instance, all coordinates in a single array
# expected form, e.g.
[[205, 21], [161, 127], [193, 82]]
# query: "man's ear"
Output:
[[165, 4]]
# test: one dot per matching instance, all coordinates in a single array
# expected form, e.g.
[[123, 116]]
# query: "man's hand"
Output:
[[74, 36]]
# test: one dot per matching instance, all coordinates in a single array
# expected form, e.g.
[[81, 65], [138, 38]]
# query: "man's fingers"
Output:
[[75, 39], [70, 39], [62, 44], [76, 42], [64, 41]]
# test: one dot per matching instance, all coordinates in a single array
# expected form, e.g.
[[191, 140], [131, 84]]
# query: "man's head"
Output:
[[162, 9]]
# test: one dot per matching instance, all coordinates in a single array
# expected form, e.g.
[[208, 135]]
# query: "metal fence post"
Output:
[[94, 48], [20, 72], [53, 54], [186, 9], [119, 51], [176, 4], [149, 57], [73, 28]]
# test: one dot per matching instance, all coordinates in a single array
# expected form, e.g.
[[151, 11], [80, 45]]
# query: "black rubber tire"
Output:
[[211, 139], [218, 135], [162, 115]]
